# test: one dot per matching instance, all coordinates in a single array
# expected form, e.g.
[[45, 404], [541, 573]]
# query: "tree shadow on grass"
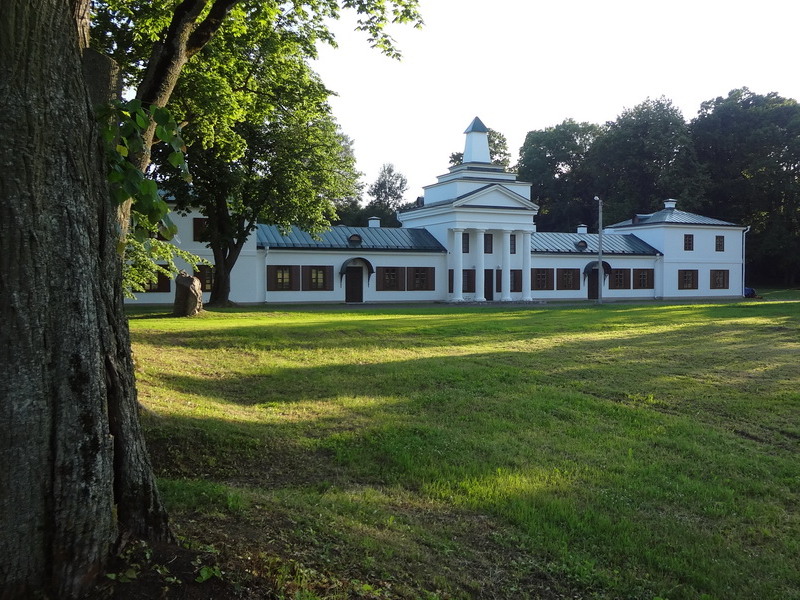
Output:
[[542, 448]]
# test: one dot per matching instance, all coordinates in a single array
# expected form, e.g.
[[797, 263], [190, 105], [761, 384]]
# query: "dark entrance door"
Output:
[[354, 284], [593, 282], [488, 284]]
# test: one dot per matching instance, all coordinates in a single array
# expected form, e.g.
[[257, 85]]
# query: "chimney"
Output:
[[374, 221], [583, 228], [670, 203]]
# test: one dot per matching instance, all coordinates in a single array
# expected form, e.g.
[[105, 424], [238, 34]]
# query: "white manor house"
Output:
[[472, 238]]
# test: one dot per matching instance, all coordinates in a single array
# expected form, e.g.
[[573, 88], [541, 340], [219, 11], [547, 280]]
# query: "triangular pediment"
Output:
[[496, 196]]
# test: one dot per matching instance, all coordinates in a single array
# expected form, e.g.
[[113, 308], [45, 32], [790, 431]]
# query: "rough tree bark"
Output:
[[74, 472]]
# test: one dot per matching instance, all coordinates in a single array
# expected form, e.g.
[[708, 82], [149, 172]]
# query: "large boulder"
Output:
[[188, 295]]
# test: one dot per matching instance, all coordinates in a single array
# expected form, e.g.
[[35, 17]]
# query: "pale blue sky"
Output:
[[529, 64]]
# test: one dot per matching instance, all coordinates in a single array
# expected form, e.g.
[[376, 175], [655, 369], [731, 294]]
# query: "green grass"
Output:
[[620, 451]]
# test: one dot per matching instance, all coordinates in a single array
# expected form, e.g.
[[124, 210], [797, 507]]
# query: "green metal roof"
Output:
[[396, 239], [587, 243], [672, 215]]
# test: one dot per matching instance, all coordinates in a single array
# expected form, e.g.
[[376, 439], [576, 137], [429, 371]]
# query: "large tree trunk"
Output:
[[75, 473]]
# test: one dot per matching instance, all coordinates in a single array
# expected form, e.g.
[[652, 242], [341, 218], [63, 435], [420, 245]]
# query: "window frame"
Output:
[[568, 279], [719, 243], [687, 279], [386, 274], [205, 273], [429, 279], [292, 279], [688, 242], [488, 243], [317, 278], [162, 285], [465, 242], [724, 285], [649, 277], [549, 283], [616, 274]]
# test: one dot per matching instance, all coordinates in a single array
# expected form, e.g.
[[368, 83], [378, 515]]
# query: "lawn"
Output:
[[615, 451]]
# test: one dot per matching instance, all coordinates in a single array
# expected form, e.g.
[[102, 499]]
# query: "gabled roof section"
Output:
[[587, 243], [477, 126], [671, 216], [472, 199], [396, 239]]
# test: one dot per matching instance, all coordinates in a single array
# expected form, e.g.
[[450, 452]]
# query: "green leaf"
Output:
[[121, 150], [163, 133], [176, 159], [161, 116], [141, 121]]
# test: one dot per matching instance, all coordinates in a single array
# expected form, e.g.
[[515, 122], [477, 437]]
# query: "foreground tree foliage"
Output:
[[76, 480]]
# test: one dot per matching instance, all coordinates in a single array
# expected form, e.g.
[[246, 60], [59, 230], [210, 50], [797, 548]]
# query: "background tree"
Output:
[[498, 151], [749, 144], [642, 158], [294, 166], [387, 193], [554, 161]]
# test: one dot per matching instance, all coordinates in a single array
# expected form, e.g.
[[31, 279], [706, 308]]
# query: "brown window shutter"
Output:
[[380, 273], [401, 279], [198, 227], [328, 278], [516, 280], [498, 280], [294, 270], [271, 270], [450, 280]]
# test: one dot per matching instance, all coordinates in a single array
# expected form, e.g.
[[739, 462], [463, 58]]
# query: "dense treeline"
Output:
[[738, 160]]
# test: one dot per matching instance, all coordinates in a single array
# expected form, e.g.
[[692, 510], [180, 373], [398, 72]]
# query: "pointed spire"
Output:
[[476, 147], [477, 126]]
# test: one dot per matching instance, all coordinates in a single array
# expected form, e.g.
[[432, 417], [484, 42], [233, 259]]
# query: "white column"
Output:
[[525, 248], [505, 276], [457, 262], [480, 293]]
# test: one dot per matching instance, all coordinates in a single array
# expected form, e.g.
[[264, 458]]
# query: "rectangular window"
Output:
[[467, 280], [513, 244], [687, 279], [205, 273], [283, 278], [391, 279], [688, 242], [421, 278], [643, 279], [199, 229], [542, 279], [465, 242], [515, 283], [620, 279], [568, 279], [488, 243], [317, 278], [162, 284], [719, 243], [719, 279]]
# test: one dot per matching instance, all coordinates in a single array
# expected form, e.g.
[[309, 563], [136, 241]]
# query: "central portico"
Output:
[[484, 217]]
